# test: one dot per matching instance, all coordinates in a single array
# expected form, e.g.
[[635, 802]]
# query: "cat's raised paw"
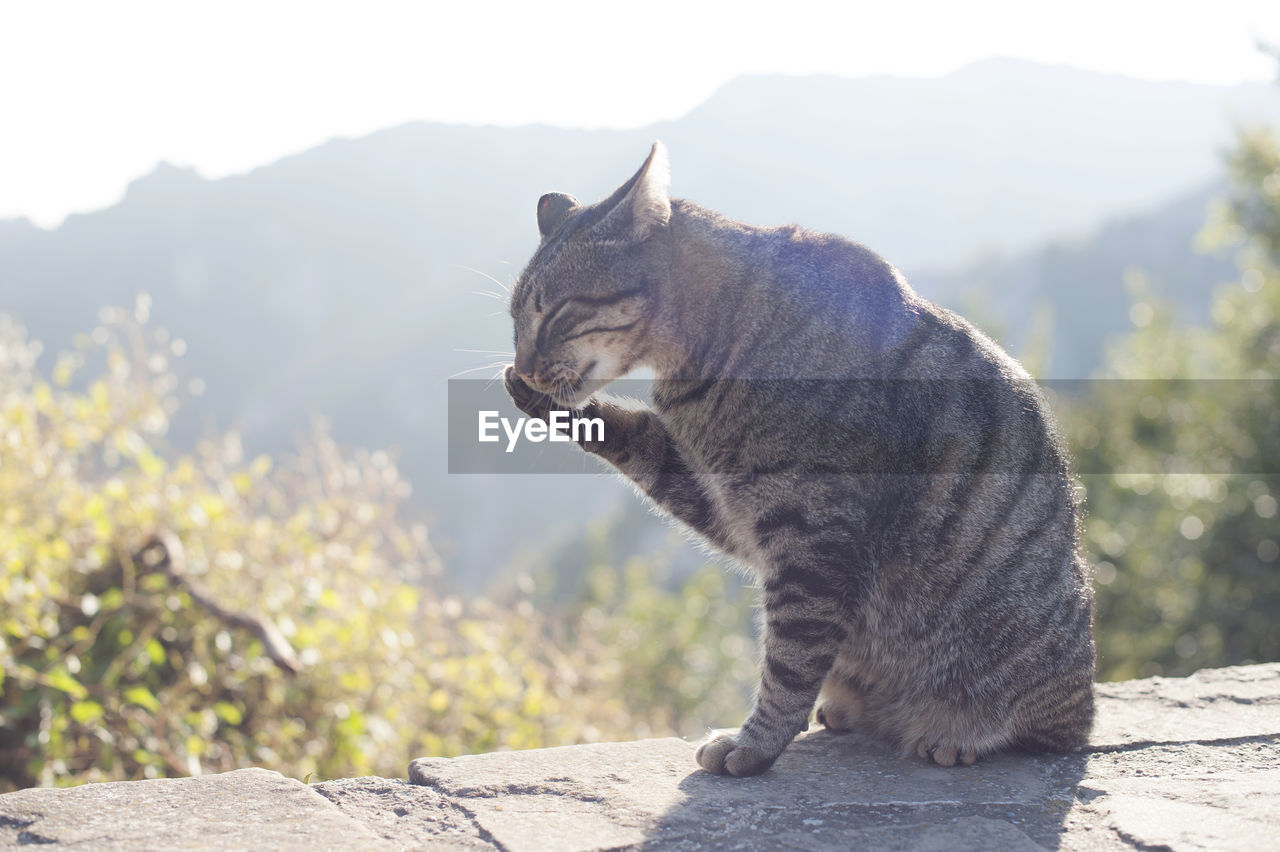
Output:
[[530, 401], [724, 756]]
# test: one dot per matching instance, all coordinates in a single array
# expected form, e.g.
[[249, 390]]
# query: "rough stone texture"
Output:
[[1185, 763], [409, 815], [245, 809], [1174, 763]]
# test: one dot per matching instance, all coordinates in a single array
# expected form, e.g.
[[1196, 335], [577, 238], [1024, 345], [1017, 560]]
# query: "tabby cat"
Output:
[[892, 479]]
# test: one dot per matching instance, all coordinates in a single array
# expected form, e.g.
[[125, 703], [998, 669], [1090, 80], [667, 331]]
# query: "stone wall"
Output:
[[1179, 763]]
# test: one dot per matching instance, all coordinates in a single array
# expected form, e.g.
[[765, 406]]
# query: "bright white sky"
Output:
[[93, 94]]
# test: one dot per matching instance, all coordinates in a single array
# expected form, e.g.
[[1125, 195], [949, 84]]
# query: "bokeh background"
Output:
[[244, 247]]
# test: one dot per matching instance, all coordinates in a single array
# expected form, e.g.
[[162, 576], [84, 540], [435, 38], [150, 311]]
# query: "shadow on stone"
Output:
[[853, 790], [827, 791], [1184, 763]]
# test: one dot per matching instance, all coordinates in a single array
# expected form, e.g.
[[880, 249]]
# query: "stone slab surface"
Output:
[[1191, 763], [245, 809], [1185, 763], [1212, 704], [408, 815]]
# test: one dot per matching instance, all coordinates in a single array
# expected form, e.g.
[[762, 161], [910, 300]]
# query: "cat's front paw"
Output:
[[723, 755]]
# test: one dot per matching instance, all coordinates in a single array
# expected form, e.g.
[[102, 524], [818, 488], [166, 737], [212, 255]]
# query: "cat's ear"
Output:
[[641, 205], [552, 208]]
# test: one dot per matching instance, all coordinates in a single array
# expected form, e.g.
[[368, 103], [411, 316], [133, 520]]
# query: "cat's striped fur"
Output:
[[891, 477]]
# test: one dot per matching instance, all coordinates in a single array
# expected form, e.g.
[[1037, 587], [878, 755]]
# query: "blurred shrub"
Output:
[[116, 665], [681, 657], [1185, 534]]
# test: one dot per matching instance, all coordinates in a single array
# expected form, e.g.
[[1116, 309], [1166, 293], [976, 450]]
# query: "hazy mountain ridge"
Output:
[[999, 156], [1080, 282], [334, 280]]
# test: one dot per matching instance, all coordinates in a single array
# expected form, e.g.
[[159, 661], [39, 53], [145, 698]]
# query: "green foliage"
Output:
[[681, 659], [1184, 531], [111, 668]]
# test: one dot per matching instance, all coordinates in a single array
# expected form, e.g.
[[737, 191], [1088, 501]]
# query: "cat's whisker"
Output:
[[496, 377], [504, 287], [478, 369], [488, 351], [490, 294], [571, 376]]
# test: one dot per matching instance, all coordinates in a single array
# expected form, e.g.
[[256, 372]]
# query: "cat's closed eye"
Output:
[[580, 316]]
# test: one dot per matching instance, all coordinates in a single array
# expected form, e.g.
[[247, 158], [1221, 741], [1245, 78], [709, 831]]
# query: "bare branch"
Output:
[[163, 552]]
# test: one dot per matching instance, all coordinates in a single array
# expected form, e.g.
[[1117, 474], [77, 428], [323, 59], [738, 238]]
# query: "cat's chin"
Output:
[[597, 375], [581, 395]]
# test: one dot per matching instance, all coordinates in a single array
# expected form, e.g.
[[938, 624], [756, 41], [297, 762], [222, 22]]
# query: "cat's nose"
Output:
[[525, 367], [528, 376]]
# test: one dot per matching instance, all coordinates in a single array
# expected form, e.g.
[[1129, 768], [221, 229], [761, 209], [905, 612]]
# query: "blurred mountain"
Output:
[[1062, 302], [1000, 156], [342, 280]]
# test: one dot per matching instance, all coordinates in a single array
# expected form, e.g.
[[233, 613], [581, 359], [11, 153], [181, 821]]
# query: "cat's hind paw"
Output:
[[840, 705], [837, 718], [723, 755], [944, 754]]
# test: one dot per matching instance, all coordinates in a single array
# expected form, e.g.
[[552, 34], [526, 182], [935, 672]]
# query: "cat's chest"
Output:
[[726, 429], [737, 447], [737, 507]]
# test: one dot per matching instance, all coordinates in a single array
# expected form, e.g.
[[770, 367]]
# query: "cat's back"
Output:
[[843, 343], [846, 311]]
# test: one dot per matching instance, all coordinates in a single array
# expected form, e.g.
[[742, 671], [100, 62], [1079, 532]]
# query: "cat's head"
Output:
[[583, 306]]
